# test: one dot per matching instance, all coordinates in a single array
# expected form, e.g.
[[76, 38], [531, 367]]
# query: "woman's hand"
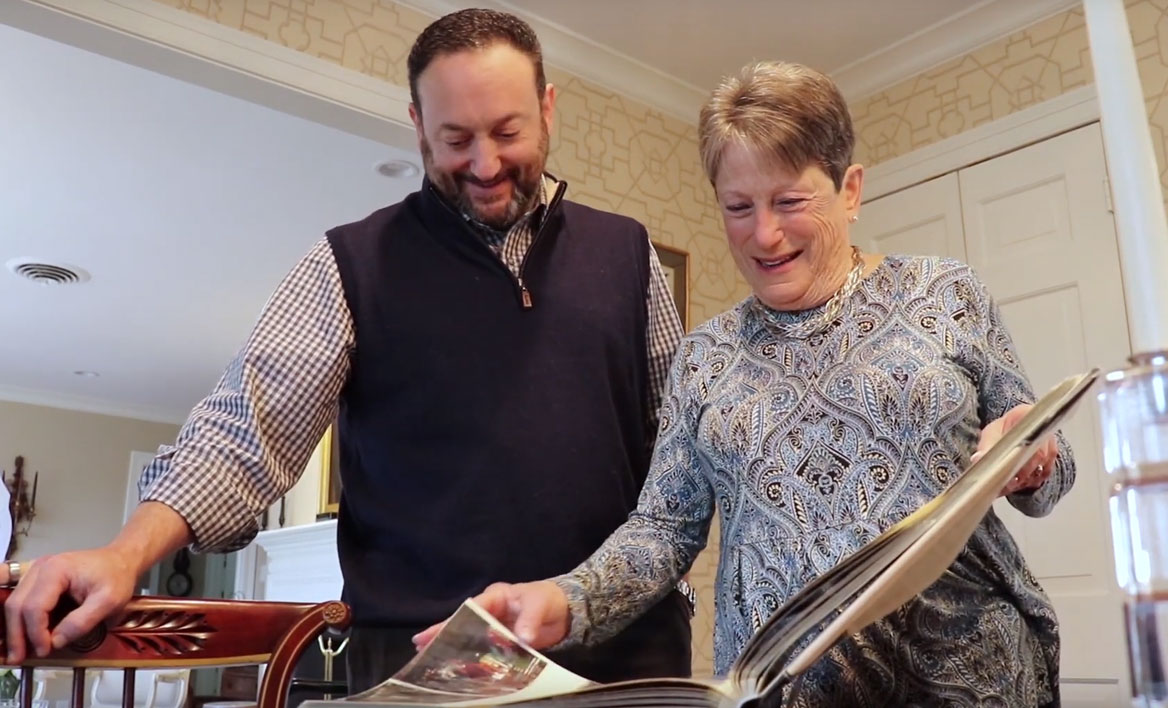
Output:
[[1037, 469], [536, 612]]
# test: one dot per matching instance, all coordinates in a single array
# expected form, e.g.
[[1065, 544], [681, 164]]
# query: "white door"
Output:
[[924, 220], [1036, 226], [1039, 232]]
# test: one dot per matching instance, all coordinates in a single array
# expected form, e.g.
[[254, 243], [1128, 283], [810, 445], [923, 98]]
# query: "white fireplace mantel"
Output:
[[294, 564]]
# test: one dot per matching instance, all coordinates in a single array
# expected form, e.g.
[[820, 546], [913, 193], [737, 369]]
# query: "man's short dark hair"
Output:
[[473, 29]]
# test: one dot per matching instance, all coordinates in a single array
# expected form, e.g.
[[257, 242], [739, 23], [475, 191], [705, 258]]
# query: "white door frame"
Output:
[[1071, 110]]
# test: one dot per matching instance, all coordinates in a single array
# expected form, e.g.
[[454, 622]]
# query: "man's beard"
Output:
[[524, 179]]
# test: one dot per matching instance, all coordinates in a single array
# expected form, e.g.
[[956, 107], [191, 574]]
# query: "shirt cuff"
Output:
[[579, 622], [220, 523]]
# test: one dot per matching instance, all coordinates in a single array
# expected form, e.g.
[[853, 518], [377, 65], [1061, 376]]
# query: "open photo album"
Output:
[[476, 661]]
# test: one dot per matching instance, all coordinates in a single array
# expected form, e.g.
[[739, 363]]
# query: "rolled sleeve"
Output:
[[245, 445]]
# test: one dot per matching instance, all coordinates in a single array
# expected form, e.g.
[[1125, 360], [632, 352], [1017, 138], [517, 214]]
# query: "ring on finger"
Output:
[[15, 571]]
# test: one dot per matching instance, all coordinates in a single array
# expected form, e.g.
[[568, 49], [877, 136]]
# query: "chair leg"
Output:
[[26, 687], [127, 688], [78, 699]]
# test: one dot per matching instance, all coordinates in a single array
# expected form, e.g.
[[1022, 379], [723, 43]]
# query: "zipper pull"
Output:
[[525, 295]]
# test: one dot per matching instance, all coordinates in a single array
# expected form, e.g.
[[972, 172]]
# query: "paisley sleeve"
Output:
[[1002, 384], [644, 558]]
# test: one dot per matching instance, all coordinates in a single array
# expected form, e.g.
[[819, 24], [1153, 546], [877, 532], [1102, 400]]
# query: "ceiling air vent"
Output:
[[46, 273]]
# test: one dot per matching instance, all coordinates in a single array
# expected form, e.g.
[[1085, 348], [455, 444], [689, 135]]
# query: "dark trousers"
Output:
[[655, 645]]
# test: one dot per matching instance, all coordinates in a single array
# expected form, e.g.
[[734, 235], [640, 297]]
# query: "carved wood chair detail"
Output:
[[162, 632]]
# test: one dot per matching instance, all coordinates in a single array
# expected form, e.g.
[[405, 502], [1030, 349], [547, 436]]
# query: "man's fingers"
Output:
[[36, 627], [27, 611], [14, 626], [95, 608], [14, 632]]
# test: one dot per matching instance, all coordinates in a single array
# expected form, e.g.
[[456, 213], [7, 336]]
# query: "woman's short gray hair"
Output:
[[787, 114]]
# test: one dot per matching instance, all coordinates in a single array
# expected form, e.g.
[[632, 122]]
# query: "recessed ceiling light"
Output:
[[396, 169], [44, 272], [86, 374]]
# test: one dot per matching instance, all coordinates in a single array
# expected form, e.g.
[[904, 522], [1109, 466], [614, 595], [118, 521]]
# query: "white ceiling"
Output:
[[185, 205], [700, 41], [672, 53]]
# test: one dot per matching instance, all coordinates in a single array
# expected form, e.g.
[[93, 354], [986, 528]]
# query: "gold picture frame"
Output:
[[675, 263], [330, 472]]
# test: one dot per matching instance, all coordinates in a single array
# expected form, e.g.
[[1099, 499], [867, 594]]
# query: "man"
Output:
[[496, 354]]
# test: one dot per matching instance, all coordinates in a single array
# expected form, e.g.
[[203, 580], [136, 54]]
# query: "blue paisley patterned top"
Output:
[[809, 448]]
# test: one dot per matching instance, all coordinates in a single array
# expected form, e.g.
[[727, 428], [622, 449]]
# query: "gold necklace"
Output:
[[830, 312]]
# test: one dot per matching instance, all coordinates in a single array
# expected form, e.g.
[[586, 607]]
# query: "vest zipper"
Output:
[[525, 298], [524, 293]]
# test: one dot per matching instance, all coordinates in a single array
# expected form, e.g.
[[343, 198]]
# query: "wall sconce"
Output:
[[21, 502]]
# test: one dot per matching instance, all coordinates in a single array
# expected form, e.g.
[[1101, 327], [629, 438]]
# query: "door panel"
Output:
[[922, 220], [1039, 233]]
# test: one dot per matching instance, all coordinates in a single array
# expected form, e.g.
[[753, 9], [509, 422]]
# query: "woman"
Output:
[[848, 390]]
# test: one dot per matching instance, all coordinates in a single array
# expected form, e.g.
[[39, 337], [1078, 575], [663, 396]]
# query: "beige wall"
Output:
[[84, 461]]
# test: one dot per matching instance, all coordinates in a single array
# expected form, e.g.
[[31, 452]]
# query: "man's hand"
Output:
[[101, 581], [1040, 465], [536, 612]]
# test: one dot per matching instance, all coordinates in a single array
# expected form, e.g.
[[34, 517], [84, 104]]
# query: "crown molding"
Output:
[[82, 404], [566, 49], [182, 45], [972, 28], [975, 27], [195, 49]]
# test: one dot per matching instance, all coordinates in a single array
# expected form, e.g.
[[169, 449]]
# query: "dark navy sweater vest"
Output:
[[483, 440]]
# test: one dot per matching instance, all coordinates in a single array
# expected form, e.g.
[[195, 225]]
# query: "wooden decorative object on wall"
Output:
[[675, 263], [330, 476], [21, 502]]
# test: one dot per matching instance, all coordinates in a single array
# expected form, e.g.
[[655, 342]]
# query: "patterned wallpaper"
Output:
[[618, 154], [1015, 72], [615, 154], [1023, 69]]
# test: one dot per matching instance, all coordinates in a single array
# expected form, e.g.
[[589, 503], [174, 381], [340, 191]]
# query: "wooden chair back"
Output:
[[164, 632]]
